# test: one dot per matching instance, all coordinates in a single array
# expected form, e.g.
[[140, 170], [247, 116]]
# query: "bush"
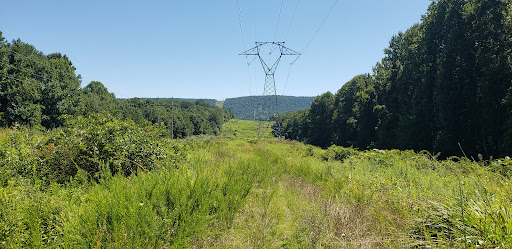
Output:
[[502, 167], [339, 153], [88, 142], [18, 157]]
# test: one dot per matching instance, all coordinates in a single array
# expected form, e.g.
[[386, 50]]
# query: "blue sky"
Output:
[[191, 48]]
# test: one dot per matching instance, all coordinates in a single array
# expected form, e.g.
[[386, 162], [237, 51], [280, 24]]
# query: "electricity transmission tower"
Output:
[[268, 110]]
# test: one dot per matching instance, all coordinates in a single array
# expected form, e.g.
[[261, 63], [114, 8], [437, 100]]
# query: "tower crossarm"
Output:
[[287, 51], [253, 51]]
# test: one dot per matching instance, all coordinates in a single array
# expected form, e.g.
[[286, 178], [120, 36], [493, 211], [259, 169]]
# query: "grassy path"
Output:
[[282, 212]]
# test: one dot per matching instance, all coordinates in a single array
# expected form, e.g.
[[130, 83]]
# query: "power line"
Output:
[[321, 24], [35, 74], [291, 22], [240, 22], [288, 76], [278, 19], [256, 51], [249, 72], [25, 70], [38, 61], [255, 23], [14, 78], [120, 94], [42, 77], [49, 70]]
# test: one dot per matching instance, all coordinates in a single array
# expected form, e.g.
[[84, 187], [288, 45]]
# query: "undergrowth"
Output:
[[102, 183]]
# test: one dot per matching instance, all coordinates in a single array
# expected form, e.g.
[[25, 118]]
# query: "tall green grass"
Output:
[[227, 192]]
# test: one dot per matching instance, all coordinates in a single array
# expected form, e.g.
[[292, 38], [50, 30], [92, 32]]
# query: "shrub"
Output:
[[339, 153], [502, 167], [88, 142], [18, 154]]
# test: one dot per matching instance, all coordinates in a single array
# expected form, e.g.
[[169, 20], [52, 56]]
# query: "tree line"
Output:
[[444, 85], [248, 108], [37, 90]]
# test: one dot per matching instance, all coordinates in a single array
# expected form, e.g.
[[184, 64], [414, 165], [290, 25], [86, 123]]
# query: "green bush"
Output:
[[502, 167], [339, 153], [18, 155], [88, 142]]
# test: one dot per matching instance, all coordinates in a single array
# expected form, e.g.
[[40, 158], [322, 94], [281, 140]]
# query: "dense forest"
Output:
[[208, 101], [190, 118], [36, 90], [444, 85], [246, 108]]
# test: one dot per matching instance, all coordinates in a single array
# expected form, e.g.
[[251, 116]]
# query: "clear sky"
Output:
[[191, 48]]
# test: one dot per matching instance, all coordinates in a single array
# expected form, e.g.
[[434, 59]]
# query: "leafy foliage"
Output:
[[100, 140], [36, 90], [445, 81], [182, 118], [222, 192]]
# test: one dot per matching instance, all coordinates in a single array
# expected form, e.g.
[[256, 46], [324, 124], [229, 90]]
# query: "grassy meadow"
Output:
[[233, 191]]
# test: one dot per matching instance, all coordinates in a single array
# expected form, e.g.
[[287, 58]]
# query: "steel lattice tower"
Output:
[[269, 110]]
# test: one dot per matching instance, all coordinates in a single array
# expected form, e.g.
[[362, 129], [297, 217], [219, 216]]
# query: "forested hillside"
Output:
[[190, 118], [36, 90], [444, 86], [208, 101], [246, 108]]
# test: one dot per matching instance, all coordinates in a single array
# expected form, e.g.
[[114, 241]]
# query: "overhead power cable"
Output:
[[48, 70], [38, 62], [321, 24], [14, 78], [240, 21], [278, 19], [288, 76], [255, 23], [241, 24], [291, 22], [40, 76], [249, 72], [25, 70]]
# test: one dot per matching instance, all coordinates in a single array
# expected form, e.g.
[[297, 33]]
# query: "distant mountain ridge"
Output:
[[244, 107], [208, 101]]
